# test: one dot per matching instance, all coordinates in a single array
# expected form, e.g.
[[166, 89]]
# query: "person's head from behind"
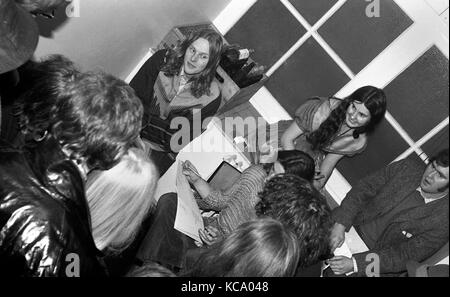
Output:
[[42, 85], [45, 8], [294, 162], [362, 111], [120, 198], [435, 179], [259, 248], [97, 120], [199, 56], [300, 207]]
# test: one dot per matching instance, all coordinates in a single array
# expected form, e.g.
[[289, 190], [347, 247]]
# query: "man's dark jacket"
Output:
[[44, 217], [414, 234]]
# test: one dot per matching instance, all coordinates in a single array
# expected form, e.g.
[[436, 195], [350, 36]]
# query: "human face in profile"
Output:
[[435, 179], [357, 115], [196, 57]]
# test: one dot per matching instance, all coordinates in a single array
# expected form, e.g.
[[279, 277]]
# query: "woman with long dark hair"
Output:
[[330, 128], [179, 82]]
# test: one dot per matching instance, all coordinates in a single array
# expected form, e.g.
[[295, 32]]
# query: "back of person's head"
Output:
[[41, 85], [40, 6], [98, 119], [297, 163], [150, 269], [299, 206], [260, 248], [120, 198]]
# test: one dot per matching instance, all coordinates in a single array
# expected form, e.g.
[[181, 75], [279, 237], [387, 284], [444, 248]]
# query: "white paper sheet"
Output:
[[188, 219]]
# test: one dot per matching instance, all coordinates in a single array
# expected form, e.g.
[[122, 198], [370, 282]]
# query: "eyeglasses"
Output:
[[47, 15]]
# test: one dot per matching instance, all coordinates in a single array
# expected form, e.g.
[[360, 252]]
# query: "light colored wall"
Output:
[[114, 35]]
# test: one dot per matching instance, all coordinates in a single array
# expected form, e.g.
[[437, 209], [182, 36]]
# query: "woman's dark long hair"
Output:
[[374, 100], [201, 82]]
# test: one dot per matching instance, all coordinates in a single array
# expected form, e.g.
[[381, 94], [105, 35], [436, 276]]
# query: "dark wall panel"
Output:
[[312, 11], [268, 28], [358, 39], [384, 145], [308, 72], [437, 143], [418, 98]]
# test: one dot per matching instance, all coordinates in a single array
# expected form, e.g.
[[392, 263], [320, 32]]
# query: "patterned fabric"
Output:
[[163, 99], [236, 205], [173, 94]]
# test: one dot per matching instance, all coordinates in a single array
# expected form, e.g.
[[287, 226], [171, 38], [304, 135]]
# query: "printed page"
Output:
[[188, 219]]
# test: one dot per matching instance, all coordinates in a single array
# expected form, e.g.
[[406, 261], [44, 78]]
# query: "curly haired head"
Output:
[[97, 119], [41, 85], [201, 83], [299, 206], [374, 100]]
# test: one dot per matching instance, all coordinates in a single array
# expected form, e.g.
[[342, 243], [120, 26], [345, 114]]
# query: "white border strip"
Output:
[[424, 139], [231, 14], [135, 70]]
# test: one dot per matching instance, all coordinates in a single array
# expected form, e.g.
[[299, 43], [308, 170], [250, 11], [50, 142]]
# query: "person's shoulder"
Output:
[[256, 171]]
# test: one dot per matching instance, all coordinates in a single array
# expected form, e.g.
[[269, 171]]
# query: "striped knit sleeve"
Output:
[[218, 200], [241, 204]]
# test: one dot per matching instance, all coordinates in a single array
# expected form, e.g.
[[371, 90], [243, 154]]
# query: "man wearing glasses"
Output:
[[401, 213]]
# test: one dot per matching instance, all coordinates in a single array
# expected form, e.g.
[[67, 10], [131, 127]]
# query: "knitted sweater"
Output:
[[237, 204]]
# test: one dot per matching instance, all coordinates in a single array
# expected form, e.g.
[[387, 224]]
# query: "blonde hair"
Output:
[[120, 198]]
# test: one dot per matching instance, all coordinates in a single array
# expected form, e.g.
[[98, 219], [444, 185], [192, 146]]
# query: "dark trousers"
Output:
[[162, 243]]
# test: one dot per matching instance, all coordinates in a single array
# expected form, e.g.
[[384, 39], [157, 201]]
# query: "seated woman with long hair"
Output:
[[120, 199], [330, 128], [259, 248], [179, 83]]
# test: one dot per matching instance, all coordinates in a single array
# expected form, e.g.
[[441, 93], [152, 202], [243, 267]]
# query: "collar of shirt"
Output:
[[428, 200]]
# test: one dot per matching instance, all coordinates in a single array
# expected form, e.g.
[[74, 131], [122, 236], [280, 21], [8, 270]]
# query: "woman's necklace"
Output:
[[342, 131]]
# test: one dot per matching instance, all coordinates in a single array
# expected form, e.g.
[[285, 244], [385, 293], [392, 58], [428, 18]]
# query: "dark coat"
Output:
[[44, 217], [379, 193]]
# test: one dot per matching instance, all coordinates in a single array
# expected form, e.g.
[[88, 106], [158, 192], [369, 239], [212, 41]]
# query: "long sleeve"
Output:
[[238, 205], [363, 192], [393, 258], [144, 80]]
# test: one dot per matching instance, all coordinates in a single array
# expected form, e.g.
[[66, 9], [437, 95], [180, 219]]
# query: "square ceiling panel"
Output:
[[357, 38], [437, 143], [312, 11], [268, 28], [309, 72], [418, 98], [384, 145]]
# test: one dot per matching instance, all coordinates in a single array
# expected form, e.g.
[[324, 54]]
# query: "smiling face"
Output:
[[196, 57], [357, 115], [435, 178]]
